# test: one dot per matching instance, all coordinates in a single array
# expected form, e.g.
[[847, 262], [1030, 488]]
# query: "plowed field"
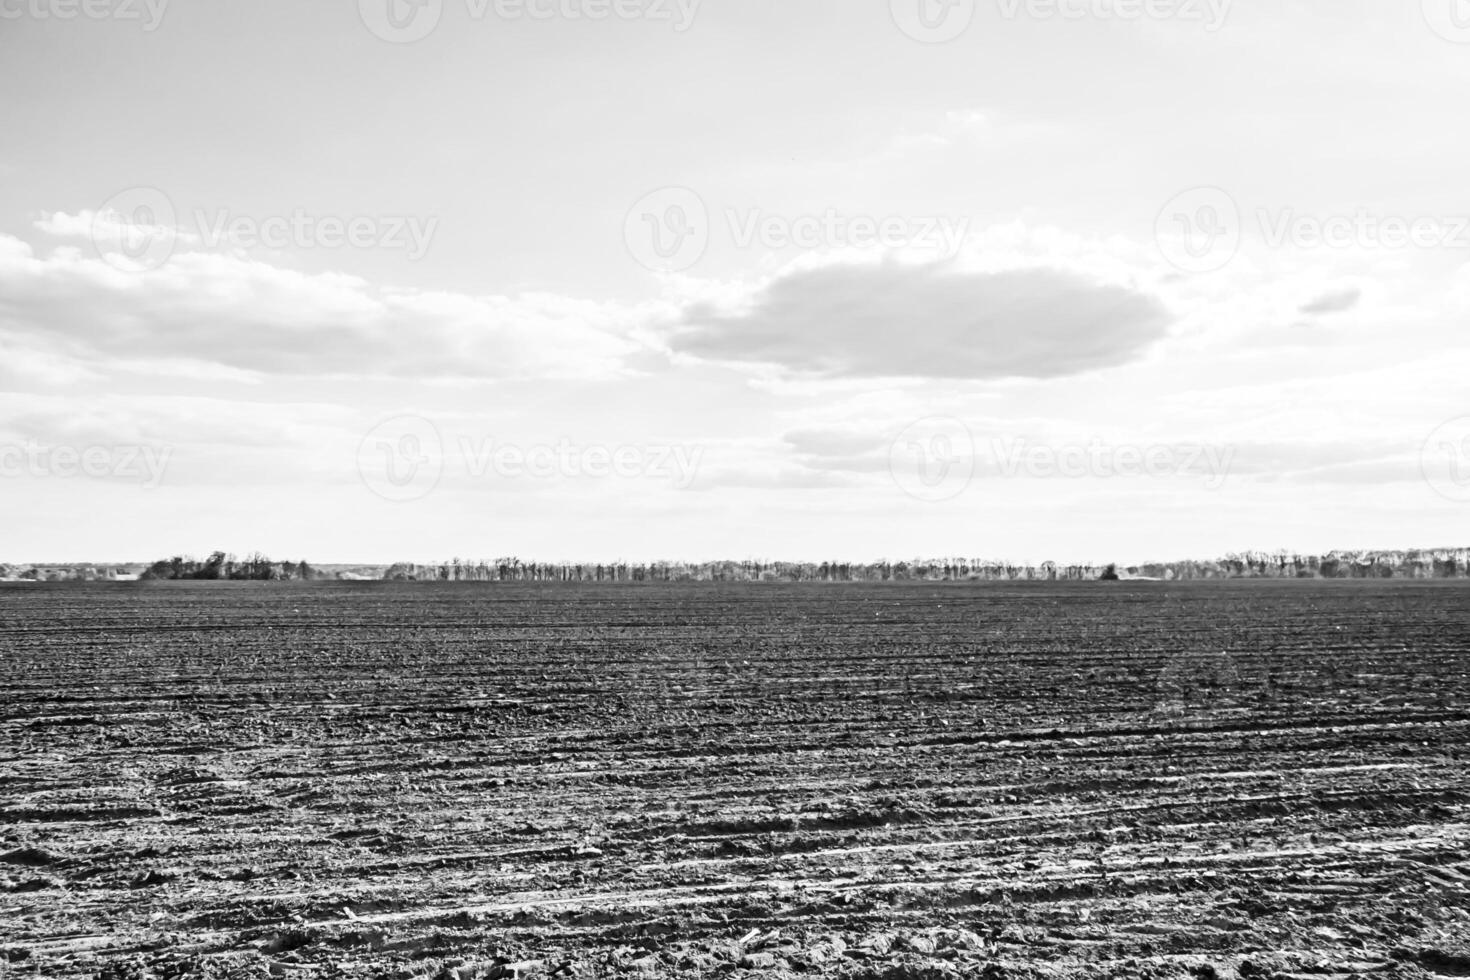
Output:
[[907, 781]]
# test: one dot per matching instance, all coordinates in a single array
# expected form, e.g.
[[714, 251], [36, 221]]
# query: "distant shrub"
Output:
[[223, 567]]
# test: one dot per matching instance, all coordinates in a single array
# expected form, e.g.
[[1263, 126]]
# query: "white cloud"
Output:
[[243, 315], [111, 231]]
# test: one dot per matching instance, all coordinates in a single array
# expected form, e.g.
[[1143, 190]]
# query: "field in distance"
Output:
[[1232, 779]]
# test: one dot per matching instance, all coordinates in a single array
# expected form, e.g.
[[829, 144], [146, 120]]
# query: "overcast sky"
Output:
[[1083, 280]]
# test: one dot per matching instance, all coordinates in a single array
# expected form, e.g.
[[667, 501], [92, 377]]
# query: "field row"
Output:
[[897, 781]]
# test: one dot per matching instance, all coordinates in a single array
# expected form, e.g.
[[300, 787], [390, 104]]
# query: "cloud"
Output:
[[36, 365], [834, 443], [245, 315], [900, 320], [113, 231], [113, 419], [996, 444], [767, 475], [1338, 301], [973, 128], [1364, 460]]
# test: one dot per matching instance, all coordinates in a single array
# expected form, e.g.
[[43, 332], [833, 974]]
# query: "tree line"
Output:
[[1449, 563], [1416, 564]]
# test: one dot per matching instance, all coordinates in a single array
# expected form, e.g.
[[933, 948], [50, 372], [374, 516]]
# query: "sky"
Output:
[[1073, 280]]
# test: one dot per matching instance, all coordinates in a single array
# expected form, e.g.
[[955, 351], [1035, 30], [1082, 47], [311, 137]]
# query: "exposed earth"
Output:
[[1208, 780]]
